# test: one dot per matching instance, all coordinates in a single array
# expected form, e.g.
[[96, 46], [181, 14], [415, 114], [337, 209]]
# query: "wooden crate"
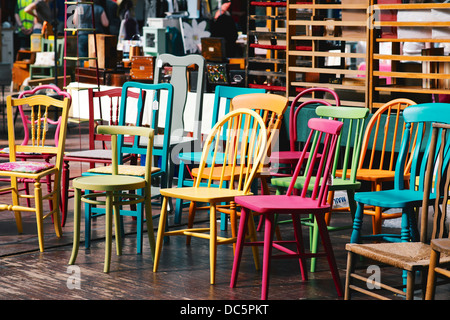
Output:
[[142, 68], [106, 51]]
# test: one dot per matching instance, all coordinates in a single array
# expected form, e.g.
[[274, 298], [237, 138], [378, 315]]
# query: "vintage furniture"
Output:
[[305, 203], [413, 257], [46, 69], [41, 108], [113, 189], [246, 135]]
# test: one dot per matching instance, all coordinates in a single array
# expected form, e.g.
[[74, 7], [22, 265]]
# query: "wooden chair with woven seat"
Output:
[[41, 108], [117, 189], [412, 256], [381, 141], [244, 148]]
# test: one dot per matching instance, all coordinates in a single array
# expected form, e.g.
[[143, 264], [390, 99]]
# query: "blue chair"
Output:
[[162, 98], [222, 97], [406, 196]]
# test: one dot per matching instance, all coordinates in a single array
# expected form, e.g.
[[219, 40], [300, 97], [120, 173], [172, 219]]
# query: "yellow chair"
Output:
[[113, 187], [237, 143], [41, 108]]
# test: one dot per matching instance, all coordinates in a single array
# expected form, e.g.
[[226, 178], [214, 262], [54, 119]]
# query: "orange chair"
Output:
[[41, 108], [381, 140]]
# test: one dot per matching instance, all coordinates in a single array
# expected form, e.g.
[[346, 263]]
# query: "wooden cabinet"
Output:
[[322, 42], [266, 46], [418, 64]]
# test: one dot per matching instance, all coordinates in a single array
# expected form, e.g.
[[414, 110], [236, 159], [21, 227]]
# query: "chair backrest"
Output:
[[111, 98], [437, 181], [119, 131], [350, 138], [41, 108], [318, 173], [155, 97], [297, 105], [244, 150], [179, 78], [383, 136], [270, 107], [227, 93], [47, 45], [26, 118]]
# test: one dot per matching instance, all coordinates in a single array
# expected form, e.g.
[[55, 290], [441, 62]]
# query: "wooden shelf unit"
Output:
[[266, 33], [408, 71], [314, 39]]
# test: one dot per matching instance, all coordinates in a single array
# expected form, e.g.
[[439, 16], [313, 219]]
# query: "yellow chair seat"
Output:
[[203, 194]]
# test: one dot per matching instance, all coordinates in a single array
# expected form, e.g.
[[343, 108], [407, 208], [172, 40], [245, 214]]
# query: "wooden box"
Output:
[[142, 68], [106, 51], [213, 49]]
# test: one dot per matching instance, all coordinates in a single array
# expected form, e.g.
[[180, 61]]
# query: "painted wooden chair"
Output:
[[42, 70], [346, 160], [381, 141], [282, 163], [405, 196], [305, 203], [412, 257], [180, 71], [98, 151], [159, 98], [222, 99], [111, 190], [26, 122], [244, 149], [41, 108]]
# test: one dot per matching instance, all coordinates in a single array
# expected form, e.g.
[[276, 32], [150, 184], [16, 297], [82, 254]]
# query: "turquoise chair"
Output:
[[222, 97], [161, 148], [406, 196], [346, 159]]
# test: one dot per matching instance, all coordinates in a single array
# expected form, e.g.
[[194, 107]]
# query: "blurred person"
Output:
[[24, 22]]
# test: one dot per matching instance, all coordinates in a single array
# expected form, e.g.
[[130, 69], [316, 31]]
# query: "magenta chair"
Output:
[[282, 163], [303, 203]]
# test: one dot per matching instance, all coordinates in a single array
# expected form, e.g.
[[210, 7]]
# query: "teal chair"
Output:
[[405, 196], [346, 159], [161, 95], [222, 97]]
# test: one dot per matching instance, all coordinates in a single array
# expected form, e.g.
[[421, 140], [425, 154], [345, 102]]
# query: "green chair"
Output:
[[346, 159], [113, 189], [39, 71]]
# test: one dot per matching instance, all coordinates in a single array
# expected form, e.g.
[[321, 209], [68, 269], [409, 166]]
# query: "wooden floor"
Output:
[[27, 274]]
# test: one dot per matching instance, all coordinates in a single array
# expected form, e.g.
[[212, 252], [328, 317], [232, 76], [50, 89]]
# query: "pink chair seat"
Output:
[[281, 204], [25, 166]]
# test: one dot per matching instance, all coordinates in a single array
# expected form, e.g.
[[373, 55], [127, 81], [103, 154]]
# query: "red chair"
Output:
[[304, 203], [282, 163]]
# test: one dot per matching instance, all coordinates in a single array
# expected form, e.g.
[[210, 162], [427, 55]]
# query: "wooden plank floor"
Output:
[[27, 274]]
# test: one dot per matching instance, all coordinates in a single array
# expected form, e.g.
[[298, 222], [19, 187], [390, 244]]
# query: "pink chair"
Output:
[[303, 203], [282, 163]]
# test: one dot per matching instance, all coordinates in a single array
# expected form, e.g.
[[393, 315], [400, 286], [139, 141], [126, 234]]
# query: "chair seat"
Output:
[[109, 183], [25, 166], [372, 175], [285, 156], [441, 245], [281, 204], [391, 198], [97, 154], [124, 170], [202, 194], [195, 157], [217, 172], [338, 184], [404, 255]]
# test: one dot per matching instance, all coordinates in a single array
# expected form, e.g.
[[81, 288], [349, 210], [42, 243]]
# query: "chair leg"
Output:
[[243, 223], [252, 232], [268, 240], [192, 210], [348, 278], [179, 202], [87, 223], [431, 282], [323, 231], [64, 192], [161, 233], [149, 222], [15, 201], [300, 247], [212, 242], [108, 231], [76, 225], [117, 226], [39, 214], [56, 214], [357, 223]]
